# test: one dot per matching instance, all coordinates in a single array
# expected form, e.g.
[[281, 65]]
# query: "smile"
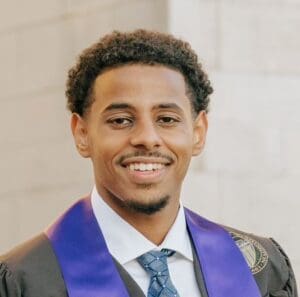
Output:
[[145, 166]]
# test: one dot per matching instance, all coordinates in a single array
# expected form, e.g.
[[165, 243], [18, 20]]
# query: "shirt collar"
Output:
[[120, 236]]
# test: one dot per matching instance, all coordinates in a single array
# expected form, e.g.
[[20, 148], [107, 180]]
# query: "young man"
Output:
[[139, 102]]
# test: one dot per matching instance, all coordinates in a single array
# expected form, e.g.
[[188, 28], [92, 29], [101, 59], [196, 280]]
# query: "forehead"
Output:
[[141, 85]]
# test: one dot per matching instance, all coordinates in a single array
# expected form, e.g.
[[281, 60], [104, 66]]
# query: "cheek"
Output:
[[105, 145], [182, 147], [182, 139], [101, 155]]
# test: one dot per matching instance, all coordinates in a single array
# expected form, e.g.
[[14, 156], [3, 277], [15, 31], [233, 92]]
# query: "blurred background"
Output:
[[249, 175]]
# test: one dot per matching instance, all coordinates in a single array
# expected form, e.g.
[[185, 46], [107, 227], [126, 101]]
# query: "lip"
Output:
[[146, 177], [145, 160]]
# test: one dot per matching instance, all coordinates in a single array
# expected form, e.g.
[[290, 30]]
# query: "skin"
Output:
[[140, 114]]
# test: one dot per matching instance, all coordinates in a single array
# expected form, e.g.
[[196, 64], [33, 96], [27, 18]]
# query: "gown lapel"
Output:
[[89, 269], [224, 269]]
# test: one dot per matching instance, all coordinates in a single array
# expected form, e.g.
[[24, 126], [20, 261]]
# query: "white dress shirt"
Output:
[[125, 243]]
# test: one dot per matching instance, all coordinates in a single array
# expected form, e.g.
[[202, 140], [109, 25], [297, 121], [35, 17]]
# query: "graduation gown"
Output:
[[32, 269]]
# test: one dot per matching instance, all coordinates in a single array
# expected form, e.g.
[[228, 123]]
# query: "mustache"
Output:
[[145, 154]]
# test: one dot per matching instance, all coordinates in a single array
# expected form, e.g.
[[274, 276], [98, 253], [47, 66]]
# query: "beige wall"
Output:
[[248, 175]]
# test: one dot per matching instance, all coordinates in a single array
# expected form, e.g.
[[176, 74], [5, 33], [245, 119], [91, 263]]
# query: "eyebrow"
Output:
[[168, 106], [117, 106]]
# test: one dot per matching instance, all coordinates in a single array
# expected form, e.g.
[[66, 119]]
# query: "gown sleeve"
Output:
[[289, 288], [8, 285]]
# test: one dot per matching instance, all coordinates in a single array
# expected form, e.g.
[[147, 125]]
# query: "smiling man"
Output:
[[139, 102]]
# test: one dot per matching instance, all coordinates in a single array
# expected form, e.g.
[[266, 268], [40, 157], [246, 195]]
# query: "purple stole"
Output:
[[89, 270]]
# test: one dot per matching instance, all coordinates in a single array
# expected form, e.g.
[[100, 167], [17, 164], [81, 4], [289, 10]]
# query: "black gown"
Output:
[[31, 269]]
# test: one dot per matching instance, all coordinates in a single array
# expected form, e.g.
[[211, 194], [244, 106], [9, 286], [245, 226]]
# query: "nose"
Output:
[[145, 135]]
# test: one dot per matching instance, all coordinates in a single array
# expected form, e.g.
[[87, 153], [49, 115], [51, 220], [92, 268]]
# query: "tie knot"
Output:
[[155, 262]]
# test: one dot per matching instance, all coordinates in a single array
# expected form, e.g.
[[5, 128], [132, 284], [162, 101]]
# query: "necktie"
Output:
[[155, 263]]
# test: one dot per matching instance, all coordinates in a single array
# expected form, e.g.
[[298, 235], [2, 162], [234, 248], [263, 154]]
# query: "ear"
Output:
[[200, 129], [79, 130]]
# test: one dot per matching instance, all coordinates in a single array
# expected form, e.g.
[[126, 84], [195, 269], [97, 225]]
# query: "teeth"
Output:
[[145, 167], [149, 166]]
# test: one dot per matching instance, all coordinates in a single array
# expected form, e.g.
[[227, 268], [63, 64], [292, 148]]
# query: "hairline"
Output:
[[90, 94]]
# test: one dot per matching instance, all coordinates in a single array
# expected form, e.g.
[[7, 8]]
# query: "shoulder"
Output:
[[268, 262], [29, 268]]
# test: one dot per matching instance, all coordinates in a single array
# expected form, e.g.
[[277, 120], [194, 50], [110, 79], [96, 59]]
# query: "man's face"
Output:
[[140, 134]]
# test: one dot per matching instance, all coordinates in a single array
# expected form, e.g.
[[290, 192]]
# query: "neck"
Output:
[[153, 226], [156, 226]]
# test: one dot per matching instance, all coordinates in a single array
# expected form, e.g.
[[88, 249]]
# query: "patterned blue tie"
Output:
[[155, 263]]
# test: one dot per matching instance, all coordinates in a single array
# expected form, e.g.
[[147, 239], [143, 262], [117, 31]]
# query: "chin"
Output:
[[148, 208], [142, 205]]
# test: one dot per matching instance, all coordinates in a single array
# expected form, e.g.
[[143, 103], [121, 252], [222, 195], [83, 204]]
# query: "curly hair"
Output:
[[137, 47]]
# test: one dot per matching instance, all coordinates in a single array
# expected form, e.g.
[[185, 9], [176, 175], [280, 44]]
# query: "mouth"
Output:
[[145, 166], [145, 170]]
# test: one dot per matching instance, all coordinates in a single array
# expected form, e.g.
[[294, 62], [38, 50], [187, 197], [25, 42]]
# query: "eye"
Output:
[[120, 122], [168, 120]]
